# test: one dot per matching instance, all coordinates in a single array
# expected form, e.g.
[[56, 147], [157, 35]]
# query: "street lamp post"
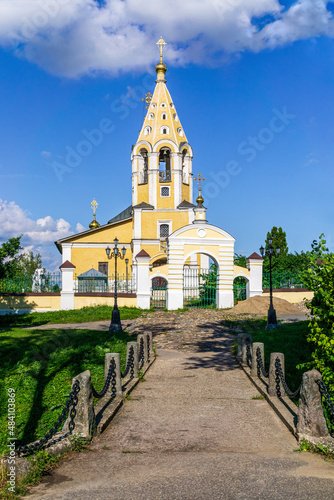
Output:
[[127, 275], [115, 325], [272, 319]]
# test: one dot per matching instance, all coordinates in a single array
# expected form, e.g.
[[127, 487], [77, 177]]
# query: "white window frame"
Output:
[[168, 222], [161, 188]]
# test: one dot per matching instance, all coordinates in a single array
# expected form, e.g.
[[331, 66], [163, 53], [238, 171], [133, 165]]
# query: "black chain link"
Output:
[[248, 352], [260, 364], [111, 374], [129, 364], [148, 349], [280, 377], [70, 406], [326, 395], [141, 356]]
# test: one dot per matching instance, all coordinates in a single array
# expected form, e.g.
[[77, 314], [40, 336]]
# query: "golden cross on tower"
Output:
[[199, 179], [94, 206], [161, 43], [147, 99]]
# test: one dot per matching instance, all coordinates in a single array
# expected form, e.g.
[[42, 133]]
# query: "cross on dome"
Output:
[[161, 43]]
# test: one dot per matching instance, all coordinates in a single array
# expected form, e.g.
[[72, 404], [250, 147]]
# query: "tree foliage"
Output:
[[279, 240], [319, 278], [28, 263], [9, 257], [239, 260]]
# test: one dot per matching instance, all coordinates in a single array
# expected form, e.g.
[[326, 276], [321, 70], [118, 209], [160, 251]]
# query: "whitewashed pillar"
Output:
[[255, 264], [143, 280], [67, 288]]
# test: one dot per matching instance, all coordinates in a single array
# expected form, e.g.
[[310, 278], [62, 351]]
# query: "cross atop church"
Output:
[[94, 206], [199, 179], [161, 43]]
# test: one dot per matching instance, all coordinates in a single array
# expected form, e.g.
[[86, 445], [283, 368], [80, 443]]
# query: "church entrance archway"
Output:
[[200, 282], [159, 293]]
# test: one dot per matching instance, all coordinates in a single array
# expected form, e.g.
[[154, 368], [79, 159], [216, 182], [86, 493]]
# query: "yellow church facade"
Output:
[[165, 236]]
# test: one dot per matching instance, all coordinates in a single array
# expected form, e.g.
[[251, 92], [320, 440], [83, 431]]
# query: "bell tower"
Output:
[[162, 157]]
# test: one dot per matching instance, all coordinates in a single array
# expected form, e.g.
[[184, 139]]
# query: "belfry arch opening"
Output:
[[200, 273], [143, 166], [165, 165]]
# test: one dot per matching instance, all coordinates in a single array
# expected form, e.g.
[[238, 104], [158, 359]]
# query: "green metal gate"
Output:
[[159, 293], [199, 287], [239, 289]]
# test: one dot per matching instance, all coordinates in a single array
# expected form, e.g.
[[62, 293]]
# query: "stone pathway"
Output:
[[192, 430]]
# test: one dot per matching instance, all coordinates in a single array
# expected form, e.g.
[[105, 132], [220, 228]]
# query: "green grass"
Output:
[[289, 338], [83, 315], [40, 364]]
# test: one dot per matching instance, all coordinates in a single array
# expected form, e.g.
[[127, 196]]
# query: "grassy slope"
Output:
[[40, 365], [290, 339], [83, 315]]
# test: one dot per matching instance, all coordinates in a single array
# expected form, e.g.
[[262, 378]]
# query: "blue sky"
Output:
[[252, 82]]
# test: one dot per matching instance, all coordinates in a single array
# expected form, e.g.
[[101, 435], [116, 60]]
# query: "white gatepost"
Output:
[[255, 264], [67, 288], [143, 280]]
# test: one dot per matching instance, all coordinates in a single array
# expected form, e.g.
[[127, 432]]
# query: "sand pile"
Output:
[[260, 305]]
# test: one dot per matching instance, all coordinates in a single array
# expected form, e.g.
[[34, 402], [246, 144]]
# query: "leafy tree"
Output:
[[319, 277], [28, 263], [279, 240], [9, 258], [239, 260]]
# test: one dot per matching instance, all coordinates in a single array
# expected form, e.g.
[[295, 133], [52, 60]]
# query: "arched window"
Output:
[[147, 130], [164, 230], [185, 173], [163, 105], [164, 116], [176, 118], [164, 165], [180, 131], [151, 116], [164, 130]]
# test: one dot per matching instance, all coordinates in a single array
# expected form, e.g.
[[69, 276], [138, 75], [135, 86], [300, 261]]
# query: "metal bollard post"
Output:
[[272, 388], [117, 358], [254, 372]]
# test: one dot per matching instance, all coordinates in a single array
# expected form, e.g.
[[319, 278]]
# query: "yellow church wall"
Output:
[[186, 193], [149, 221], [161, 270], [89, 301], [31, 301], [240, 269], [121, 230], [168, 201], [143, 193], [87, 258], [293, 296]]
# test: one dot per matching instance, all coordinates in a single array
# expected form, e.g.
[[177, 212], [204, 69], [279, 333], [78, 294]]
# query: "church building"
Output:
[[166, 238]]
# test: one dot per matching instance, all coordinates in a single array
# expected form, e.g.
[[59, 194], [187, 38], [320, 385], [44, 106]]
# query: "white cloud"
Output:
[[38, 235], [80, 228], [45, 154], [74, 37], [45, 231]]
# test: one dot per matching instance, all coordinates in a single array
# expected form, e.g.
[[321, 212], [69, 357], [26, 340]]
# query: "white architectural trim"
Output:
[[165, 141], [139, 145]]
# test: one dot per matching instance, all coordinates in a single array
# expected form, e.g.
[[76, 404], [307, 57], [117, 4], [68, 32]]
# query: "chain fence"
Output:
[[130, 365], [111, 378], [260, 364], [326, 396], [279, 377], [70, 408]]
